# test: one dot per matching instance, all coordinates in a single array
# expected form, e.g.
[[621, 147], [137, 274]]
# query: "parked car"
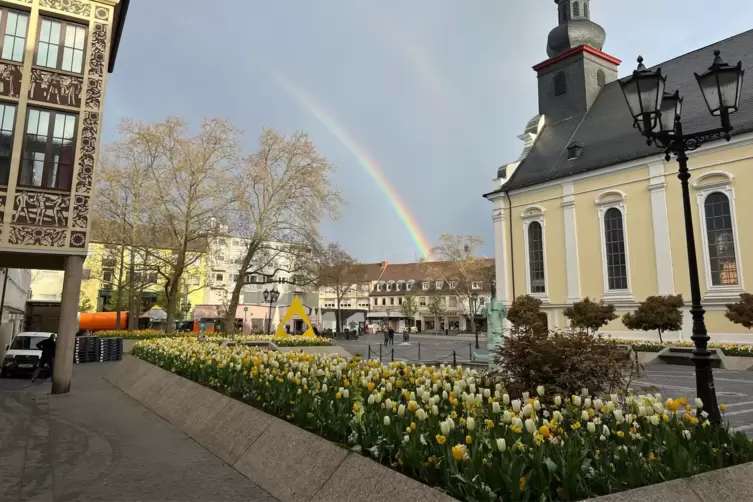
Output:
[[23, 355]]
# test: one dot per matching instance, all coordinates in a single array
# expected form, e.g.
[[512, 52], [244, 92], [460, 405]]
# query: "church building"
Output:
[[590, 210]]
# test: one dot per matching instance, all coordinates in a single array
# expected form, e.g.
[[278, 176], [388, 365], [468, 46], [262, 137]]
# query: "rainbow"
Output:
[[363, 157]]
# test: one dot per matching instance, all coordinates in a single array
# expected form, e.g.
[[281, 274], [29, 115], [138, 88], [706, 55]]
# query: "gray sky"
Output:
[[435, 92]]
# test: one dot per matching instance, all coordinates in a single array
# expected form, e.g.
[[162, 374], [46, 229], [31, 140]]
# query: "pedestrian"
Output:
[[392, 335], [386, 336], [47, 346]]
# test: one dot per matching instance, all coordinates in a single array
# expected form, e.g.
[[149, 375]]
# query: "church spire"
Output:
[[575, 28]]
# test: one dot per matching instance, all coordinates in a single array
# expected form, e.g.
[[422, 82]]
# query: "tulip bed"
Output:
[[442, 426], [730, 349], [280, 341]]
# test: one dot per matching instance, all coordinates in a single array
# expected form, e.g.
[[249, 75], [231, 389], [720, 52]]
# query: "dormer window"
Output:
[[426, 285], [389, 286], [574, 151], [409, 286], [476, 285], [453, 284], [398, 286], [438, 284], [379, 286]]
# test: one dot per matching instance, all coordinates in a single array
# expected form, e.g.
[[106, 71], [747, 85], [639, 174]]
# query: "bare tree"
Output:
[[189, 177], [340, 273], [285, 192], [457, 265]]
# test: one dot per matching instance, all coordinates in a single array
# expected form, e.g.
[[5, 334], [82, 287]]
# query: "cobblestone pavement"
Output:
[[96, 443], [419, 348]]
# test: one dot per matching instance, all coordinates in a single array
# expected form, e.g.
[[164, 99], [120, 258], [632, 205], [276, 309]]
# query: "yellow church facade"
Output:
[[590, 210]]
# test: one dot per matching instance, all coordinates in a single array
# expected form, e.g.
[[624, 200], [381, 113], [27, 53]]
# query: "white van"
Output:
[[23, 355]]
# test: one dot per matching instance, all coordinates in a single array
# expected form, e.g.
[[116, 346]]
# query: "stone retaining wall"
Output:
[[286, 461]]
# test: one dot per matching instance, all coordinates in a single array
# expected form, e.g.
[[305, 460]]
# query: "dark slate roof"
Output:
[[606, 131]]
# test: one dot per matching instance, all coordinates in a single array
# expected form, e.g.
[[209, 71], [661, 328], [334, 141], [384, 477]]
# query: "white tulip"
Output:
[[487, 393], [507, 417], [445, 396], [451, 422], [386, 421], [388, 387], [346, 393], [406, 438], [434, 410], [641, 411], [516, 405], [445, 428], [501, 445], [421, 414], [526, 396], [610, 405], [470, 424], [557, 416], [371, 399], [400, 409], [527, 410], [591, 427], [472, 388], [540, 390], [605, 430], [654, 419], [658, 407], [530, 426], [324, 388], [506, 399], [587, 403], [686, 434], [557, 401], [614, 398], [577, 401], [496, 409], [598, 404], [584, 392], [698, 402], [388, 404], [618, 416], [585, 416], [537, 405]]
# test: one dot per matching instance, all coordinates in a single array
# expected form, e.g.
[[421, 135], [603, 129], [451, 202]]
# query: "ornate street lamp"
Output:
[[186, 308], [271, 298], [657, 115]]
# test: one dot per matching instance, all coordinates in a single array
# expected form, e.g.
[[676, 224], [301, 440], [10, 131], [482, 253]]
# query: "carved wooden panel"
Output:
[[10, 80], [81, 211], [56, 88], [88, 152], [73, 6], [102, 13], [39, 208], [37, 236], [3, 198], [78, 239], [94, 94], [98, 50]]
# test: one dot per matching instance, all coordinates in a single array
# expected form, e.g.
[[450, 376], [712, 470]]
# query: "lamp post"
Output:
[[186, 308], [473, 305], [657, 115], [271, 298], [389, 311]]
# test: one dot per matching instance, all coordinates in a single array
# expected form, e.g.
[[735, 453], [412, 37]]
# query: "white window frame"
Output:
[[409, 285], [479, 284], [453, 284], [398, 286], [426, 285], [438, 284], [706, 187], [389, 286], [379, 286], [606, 201], [529, 215]]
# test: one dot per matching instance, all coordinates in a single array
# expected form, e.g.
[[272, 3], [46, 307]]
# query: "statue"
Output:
[[495, 315]]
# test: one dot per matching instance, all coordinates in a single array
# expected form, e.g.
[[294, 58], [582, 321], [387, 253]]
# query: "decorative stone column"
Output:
[[68, 325]]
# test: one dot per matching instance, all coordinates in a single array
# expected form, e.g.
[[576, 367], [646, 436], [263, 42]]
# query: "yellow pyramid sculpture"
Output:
[[295, 308]]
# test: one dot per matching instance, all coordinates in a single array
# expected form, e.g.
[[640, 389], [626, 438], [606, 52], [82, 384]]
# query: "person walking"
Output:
[[392, 335], [47, 346], [386, 336]]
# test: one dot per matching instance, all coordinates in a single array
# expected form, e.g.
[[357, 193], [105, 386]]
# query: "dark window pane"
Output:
[[615, 249], [721, 241], [7, 121], [49, 150], [536, 257]]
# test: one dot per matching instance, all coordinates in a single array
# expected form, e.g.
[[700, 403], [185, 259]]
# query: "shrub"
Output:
[[525, 313], [742, 311], [660, 313], [564, 361], [587, 314], [443, 427]]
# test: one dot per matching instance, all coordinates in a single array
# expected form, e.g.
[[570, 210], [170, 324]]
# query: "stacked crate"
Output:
[[86, 349], [110, 349]]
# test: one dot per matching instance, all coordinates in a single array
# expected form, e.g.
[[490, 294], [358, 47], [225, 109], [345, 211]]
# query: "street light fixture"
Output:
[[657, 115], [271, 298], [474, 303]]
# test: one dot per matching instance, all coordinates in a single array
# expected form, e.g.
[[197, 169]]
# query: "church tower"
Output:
[[577, 69]]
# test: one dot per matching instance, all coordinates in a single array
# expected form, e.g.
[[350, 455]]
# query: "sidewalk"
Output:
[[96, 443]]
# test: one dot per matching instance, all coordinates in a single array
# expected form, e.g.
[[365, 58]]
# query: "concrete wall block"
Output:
[[127, 372], [672, 491], [233, 430], [732, 483], [359, 478], [290, 463], [198, 409]]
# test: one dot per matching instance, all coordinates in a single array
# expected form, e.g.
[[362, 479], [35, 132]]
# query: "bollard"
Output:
[[454, 360], [380, 353], [419, 351], [368, 358], [393, 356], [470, 352]]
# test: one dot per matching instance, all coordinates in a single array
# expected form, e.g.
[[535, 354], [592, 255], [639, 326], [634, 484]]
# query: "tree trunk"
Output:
[[172, 291], [338, 320], [235, 297], [119, 300], [661, 340], [131, 270]]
